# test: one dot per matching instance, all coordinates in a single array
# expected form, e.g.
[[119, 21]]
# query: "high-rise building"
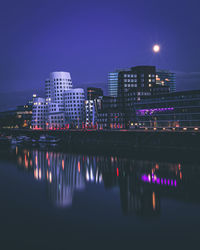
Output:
[[56, 85], [113, 82], [166, 78], [94, 93], [141, 81], [63, 107], [90, 113], [74, 104], [39, 113], [91, 106], [131, 86]]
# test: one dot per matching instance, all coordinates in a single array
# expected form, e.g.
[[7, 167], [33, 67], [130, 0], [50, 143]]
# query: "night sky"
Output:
[[91, 38]]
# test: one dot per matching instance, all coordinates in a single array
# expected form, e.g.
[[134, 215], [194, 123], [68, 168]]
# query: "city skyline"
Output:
[[99, 124]]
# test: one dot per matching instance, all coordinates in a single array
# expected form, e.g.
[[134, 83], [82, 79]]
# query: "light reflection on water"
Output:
[[142, 184], [51, 199]]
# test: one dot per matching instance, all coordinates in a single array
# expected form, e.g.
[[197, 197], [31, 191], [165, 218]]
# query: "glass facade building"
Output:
[[113, 84], [166, 78], [178, 110], [94, 93]]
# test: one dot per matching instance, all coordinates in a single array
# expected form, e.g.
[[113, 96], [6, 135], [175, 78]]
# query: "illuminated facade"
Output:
[[74, 104], [90, 113], [57, 120], [113, 84], [94, 93], [39, 113], [111, 114], [131, 85], [166, 78], [56, 85], [173, 110]]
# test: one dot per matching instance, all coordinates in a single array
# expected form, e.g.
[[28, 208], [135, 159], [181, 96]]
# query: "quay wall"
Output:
[[118, 141]]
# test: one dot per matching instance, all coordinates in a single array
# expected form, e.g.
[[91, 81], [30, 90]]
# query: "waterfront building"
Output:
[[111, 114], [64, 106], [111, 119], [166, 78], [177, 110], [56, 117], [48, 89], [94, 96], [19, 117], [133, 85], [74, 105], [90, 113], [39, 113], [113, 82], [57, 120], [139, 79], [94, 93], [56, 85]]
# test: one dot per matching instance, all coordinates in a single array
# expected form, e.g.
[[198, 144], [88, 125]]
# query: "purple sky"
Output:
[[91, 38]]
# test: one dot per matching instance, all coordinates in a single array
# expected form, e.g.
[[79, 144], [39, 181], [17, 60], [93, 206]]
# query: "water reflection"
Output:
[[142, 184]]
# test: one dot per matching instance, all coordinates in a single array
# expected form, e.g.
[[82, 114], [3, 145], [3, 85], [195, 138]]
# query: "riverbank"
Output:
[[173, 145]]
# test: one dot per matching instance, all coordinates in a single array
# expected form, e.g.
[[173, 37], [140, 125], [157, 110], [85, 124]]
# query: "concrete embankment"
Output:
[[175, 144]]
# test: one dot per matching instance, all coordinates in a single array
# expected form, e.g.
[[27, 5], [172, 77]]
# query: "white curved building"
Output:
[[74, 102], [56, 85], [39, 113], [63, 107]]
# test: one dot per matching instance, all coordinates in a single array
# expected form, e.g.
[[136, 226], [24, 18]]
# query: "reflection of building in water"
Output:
[[137, 193], [67, 177], [142, 184], [64, 173]]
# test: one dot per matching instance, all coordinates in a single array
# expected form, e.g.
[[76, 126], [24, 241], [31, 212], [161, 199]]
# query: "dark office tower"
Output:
[[132, 85], [140, 80], [136, 84], [166, 78], [94, 93], [113, 82]]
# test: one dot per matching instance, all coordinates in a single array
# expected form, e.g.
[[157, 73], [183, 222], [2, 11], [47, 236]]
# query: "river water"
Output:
[[60, 200]]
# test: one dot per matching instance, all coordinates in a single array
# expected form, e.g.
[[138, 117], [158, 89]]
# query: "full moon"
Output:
[[156, 48]]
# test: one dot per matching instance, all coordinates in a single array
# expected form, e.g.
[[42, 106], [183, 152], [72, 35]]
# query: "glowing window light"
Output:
[[152, 111]]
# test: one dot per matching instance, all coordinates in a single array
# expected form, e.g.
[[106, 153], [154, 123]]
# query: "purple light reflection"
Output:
[[159, 181]]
